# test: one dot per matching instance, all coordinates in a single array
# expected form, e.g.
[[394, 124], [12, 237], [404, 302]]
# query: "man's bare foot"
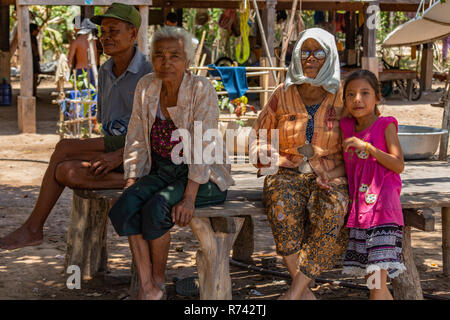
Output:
[[22, 237], [152, 294]]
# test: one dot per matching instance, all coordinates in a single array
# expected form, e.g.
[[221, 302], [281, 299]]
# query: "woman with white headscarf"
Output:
[[306, 198]]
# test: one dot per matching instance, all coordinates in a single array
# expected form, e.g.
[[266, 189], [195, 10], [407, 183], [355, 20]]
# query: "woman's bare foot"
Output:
[[307, 294], [22, 237], [299, 289]]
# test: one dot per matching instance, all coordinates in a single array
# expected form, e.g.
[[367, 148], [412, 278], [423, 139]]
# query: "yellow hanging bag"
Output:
[[243, 46]]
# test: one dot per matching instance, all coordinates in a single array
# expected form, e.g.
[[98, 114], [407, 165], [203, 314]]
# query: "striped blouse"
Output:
[[286, 112]]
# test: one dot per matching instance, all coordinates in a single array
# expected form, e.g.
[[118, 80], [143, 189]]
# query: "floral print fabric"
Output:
[[306, 219]]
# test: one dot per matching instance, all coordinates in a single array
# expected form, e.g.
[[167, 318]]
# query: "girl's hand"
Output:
[[323, 181], [353, 142], [183, 211]]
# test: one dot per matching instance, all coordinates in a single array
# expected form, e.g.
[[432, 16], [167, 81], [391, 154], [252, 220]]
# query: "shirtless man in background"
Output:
[[79, 48]]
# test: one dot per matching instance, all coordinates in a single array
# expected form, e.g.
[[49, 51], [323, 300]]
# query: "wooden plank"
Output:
[[347, 5], [80, 2], [404, 74], [421, 219]]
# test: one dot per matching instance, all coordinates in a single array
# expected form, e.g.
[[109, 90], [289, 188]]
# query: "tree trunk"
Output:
[[86, 236], [213, 256]]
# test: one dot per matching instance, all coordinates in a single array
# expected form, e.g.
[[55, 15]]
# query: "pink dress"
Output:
[[373, 189]]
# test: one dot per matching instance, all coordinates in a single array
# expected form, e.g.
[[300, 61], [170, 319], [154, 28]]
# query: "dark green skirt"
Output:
[[145, 207]]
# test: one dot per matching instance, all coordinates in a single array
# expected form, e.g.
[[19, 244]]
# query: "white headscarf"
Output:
[[329, 75]]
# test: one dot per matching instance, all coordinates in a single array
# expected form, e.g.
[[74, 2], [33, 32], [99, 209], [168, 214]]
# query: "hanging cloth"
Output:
[[243, 46], [234, 79]]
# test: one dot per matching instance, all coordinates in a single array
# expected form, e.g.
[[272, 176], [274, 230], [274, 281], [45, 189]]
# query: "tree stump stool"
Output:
[[87, 232], [216, 236]]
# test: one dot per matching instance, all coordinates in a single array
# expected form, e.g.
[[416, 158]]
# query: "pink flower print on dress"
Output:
[[363, 188], [363, 154], [370, 198]]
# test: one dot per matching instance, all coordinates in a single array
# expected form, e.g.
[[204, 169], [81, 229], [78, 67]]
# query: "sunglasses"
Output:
[[318, 54]]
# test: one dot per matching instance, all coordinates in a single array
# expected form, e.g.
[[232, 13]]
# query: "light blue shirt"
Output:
[[116, 94]]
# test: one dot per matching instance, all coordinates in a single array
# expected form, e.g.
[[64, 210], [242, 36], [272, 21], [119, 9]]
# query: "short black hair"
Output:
[[33, 26], [172, 17]]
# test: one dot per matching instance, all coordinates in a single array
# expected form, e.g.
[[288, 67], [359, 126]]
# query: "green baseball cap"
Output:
[[122, 12]]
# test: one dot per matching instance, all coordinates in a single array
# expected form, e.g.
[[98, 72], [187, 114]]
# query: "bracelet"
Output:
[[368, 145]]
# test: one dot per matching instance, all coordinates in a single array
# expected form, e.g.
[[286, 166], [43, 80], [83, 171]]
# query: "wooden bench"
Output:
[[218, 227]]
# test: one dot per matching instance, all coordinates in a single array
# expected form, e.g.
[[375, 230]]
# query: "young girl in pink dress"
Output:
[[373, 162]]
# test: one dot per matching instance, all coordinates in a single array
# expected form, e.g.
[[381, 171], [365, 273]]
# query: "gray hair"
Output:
[[174, 33]]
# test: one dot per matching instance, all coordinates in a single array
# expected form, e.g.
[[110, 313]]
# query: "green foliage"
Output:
[[211, 27], [55, 27]]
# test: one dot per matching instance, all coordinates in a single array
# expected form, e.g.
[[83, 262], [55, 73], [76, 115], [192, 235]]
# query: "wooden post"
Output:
[[215, 236], [87, 12], [443, 148], [426, 66], [142, 36], [269, 24], [350, 38], [369, 60], [5, 64], [244, 245], [286, 38], [26, 103], [407, 284], [86, 235], [446, 240]]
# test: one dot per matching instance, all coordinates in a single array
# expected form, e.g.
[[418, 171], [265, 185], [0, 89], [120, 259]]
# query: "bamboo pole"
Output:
[[286, 39], [202, 62], [199, 48], [263, 36]]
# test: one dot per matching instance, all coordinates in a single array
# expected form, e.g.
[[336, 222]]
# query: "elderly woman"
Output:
[[158, 192], [306, 198]]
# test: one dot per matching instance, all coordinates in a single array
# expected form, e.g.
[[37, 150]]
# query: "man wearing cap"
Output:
[[94, 163], [79, 48]]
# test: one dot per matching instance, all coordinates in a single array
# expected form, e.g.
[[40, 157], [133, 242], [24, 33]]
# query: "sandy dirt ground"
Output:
[[37, 272]]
